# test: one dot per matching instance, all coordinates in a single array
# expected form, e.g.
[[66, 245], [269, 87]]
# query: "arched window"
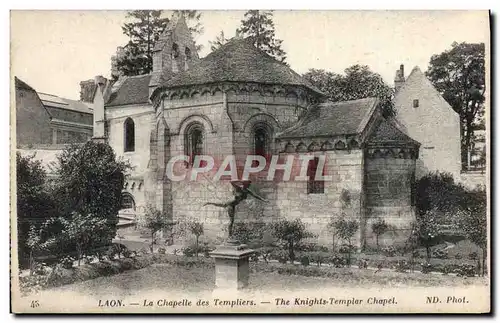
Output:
[[175, 50], [261, 140], [187, 58], [194, 140], [127, 201], [129, 135]]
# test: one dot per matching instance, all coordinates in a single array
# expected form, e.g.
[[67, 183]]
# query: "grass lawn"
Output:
[[198, 279]]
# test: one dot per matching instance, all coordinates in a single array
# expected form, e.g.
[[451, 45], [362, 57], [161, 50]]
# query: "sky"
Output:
[[54, 50]]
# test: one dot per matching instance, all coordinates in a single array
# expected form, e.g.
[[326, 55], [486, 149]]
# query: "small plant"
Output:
[[162, 250], [188, 251], [426, 268], [266, 253], [473, 255], [466, 270], [362, 264], [440, 254], [280, 255], [337, 261], [155, 220], [196, 228], [255, 257], [402, 266], [389, 251], [458, 256], [304, 260], [447, 269], [67, 262], [379, 228], [176, 251]]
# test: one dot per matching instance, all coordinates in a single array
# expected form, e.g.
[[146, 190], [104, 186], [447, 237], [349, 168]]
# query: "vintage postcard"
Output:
[[190, 161]]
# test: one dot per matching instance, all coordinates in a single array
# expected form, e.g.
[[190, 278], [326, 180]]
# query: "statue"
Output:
[[240, 191]]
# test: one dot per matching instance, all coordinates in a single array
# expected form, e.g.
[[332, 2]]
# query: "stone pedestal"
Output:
[[232, 265]]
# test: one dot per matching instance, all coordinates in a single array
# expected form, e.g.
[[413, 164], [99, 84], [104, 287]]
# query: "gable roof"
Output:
[[54, 101], [239, 61], [416, 75], [21, 85], [387, 133], [334, 118], [133, 90]]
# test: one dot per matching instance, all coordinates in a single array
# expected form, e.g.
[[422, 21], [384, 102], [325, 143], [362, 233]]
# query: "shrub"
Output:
[[362, 264], [280, 255], [32, 283], [290, 234], [196, 228], [188, 251], [312, 247], [304, 260], [402, 266], [447, 269], [458, 256], [426, 268], [156, 220], [162, 250], [337, 261], [466, 270], [319, 257], [379, 228], [389, 251], [440, 254], [266, 253], [255, 256], [67, 262], [250, 233], [473, 255]]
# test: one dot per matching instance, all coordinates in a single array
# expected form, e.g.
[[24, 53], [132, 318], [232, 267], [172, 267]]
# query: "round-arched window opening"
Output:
[[175, 50], [129, 128], [262, 140], [127, 202], [194, 141]]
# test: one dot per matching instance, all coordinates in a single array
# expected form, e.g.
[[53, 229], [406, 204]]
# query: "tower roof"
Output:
[[239, 61]]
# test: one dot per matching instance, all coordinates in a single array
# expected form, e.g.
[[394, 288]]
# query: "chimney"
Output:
[[399, 80], [99, 113]]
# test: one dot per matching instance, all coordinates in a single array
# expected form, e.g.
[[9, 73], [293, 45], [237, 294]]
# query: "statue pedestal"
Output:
[[232, 265]]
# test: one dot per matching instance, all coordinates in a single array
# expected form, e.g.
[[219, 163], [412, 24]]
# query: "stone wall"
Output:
[[388, 191], [142, 115], [341, 198], [433, 123]]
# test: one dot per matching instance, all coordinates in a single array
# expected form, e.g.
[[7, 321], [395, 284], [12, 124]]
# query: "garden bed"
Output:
[[61, 276]]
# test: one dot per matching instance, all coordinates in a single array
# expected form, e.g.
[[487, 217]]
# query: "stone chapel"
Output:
[[238, 101]]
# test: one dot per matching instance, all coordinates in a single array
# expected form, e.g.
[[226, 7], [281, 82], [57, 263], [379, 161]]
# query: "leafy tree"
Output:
[[345, 230], [438, 192], [473, 222], [90, 181], [144, 30], [290, 233], [379, 228], [196, 228], [259, 25], [35, 201], [358, 82], [459, 75], [155, 221]]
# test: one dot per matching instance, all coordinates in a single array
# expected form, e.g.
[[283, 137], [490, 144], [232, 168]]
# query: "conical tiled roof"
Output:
[[239, 61]]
